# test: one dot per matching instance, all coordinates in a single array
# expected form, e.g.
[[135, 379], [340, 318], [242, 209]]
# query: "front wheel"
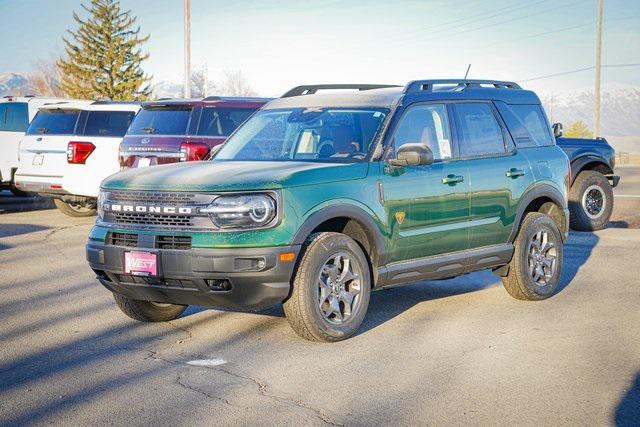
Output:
[[331, 289], [590, 202], [74, 209], [534, 270], [147, 311]]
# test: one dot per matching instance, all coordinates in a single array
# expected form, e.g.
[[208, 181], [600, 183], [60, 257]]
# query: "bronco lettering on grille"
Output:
[[183, 210]]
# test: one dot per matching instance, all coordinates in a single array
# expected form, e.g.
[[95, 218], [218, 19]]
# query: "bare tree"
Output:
[[45, 80], [235, 84], [201, 86]]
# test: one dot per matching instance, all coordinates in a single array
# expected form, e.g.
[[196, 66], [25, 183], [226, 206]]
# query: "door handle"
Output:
[[452, 179], [514, 173]]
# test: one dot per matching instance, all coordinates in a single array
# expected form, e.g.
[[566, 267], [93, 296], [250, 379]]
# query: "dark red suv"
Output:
[[182, 130]]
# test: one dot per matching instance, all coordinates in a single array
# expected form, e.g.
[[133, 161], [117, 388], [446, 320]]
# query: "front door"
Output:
[[427, 206]]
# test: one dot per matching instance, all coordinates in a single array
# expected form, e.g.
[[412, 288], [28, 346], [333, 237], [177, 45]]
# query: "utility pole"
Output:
[[187, 48], [598, 67]]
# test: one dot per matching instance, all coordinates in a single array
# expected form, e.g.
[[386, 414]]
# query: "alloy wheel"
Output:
[[339, 288], [543, 258], [593, 201]]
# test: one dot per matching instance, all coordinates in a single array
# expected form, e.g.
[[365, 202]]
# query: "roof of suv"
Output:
[[210, 100], [386, 96], [92, 106]]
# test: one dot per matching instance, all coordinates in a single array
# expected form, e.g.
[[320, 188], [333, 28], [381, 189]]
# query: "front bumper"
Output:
[[613, 180], [189, 277]]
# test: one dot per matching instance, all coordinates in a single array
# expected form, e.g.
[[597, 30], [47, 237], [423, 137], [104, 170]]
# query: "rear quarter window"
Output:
[[216, 121], [14, 117], [527, 124], [108, 123], [54, 122]]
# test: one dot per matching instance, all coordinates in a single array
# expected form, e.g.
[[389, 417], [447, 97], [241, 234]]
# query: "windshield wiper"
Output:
[[148, 130]]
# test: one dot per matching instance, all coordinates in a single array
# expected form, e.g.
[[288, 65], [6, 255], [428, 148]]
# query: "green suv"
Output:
[[321, 198]]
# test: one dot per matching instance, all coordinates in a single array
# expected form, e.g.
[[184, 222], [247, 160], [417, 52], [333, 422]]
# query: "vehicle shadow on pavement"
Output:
[[628, 410], [577, 251], [11, 230]]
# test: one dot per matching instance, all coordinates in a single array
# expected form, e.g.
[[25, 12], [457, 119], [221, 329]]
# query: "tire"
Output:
[[322, 284], [146, 311], [590, 202], [73, 209], [18, 193], [521, 282]]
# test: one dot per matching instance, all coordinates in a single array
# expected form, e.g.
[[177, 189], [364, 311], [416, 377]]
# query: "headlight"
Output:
[[102, 197], [242, 211]]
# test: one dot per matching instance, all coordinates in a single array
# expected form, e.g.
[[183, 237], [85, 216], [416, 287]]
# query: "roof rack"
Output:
[[106, 101], [460, 84], [235, 98], [311, 89]]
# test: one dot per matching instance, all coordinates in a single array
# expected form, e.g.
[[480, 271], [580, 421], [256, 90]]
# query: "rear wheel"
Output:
[[147, 311], [534, 270], [590, 201], [331, 289], [74, 209]]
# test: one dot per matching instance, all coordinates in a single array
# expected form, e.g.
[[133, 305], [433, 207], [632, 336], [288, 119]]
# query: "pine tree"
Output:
[[578, 129], [103, 61]]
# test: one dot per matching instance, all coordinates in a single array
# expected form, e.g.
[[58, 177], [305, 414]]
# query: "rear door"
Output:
[[498, 173], [43, 150], [14, 120]]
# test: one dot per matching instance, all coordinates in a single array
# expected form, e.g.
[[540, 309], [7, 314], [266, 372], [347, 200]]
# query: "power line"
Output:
[[564, 73], [543, 12]]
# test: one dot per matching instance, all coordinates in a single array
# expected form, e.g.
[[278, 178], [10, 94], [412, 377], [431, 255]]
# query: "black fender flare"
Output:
[[578, 164], [542, 190], [349, 211]]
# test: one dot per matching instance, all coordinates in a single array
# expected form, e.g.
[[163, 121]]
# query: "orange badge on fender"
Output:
[[400, 217]]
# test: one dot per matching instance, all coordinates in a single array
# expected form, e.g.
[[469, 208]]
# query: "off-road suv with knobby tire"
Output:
[[319, 199]]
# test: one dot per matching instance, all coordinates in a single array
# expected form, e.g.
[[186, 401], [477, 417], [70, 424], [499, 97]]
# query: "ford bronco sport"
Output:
[[319, 199]]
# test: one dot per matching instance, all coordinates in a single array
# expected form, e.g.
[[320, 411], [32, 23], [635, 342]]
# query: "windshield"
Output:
[[164, 120], [54, 122], [313, 134]]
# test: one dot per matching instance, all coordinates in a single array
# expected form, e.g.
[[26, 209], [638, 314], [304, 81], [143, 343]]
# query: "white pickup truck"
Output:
[[69, 148], [15, 115]]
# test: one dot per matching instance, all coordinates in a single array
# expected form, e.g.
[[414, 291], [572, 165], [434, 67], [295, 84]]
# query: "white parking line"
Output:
[[627, 196]]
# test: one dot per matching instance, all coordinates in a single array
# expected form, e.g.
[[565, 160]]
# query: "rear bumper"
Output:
[[45, 185], [190, 277]]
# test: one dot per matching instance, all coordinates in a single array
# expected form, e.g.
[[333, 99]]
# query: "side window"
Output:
[[532, 118], [480, 133], [425, 124], [14, 117]]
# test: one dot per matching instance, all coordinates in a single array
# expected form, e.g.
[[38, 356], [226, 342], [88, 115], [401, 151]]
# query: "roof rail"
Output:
[[311, 89], [107, 101], [460, 84], [235, 98]]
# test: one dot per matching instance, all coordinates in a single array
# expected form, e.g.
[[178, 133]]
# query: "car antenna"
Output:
[[464, 82]]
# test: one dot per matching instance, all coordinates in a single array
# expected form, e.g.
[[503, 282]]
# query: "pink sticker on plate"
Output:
[[142, 263]]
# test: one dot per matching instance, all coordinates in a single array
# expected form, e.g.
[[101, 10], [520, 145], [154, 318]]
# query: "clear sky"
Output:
[[278, 43]]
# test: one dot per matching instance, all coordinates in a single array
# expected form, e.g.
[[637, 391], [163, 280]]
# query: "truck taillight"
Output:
[[78, 152], [190, 151]]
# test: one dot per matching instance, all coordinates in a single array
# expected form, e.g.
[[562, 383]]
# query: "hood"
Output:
[[211, 176]]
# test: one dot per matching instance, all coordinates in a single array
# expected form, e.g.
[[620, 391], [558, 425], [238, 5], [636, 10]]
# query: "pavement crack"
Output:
[[202, 392], [263, 389]]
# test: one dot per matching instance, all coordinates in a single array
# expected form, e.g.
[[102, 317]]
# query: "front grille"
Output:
[[151, 219], [173, 242], [152, 197], [122, 239], [157, 281]]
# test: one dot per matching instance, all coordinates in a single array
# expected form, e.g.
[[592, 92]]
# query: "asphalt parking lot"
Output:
[[459, 351]]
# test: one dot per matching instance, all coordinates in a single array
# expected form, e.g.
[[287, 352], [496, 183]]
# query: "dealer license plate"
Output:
[[141, 263]]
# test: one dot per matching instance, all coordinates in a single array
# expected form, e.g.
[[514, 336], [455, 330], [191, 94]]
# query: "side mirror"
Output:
[[557, 130], [412, 155]]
